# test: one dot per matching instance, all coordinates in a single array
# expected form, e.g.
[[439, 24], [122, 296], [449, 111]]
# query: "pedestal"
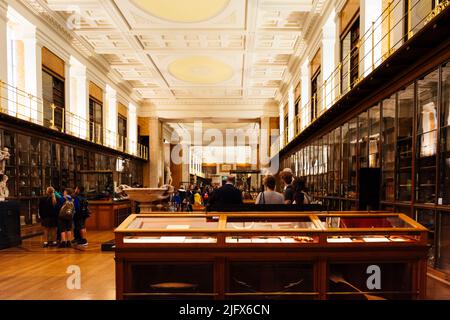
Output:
[[9, 224]]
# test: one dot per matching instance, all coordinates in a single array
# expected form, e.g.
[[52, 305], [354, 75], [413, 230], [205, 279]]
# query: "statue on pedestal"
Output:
[[4, 156], [4, 191]]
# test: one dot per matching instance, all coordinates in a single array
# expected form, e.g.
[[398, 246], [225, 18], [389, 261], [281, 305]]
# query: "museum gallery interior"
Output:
[[225, 149]]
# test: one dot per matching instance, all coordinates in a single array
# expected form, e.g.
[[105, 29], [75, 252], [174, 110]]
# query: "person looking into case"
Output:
[[288, 193], [270, 196], [48, 213]]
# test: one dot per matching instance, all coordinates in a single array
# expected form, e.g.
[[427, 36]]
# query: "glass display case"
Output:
[[98, 184], [444, 187], [388, 149], [9, 141], [404, 155], [426, 141], [270, 255]]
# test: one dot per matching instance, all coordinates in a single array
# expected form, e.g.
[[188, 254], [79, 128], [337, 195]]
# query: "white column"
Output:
[[305, 93], [132, 128], [110, 120], [264, 142], [28, 68], [3, 45], [79, 99], [371, 31], [156, 159], [281, 112], [328, 60], [291, 113]]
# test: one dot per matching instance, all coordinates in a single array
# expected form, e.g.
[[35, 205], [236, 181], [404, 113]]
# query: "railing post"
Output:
[[340, 78], [30, 97], [53, 117], [373, 45], [409, 12], [63, 125], [1, 95], [389, 27]]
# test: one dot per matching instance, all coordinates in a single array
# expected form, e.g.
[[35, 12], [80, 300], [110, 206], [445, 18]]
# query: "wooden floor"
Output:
[[32, 272]]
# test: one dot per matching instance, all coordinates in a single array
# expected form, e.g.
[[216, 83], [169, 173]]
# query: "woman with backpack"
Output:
[[65, 218]]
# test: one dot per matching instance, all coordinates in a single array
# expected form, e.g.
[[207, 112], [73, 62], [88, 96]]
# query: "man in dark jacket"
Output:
[[226, 195]]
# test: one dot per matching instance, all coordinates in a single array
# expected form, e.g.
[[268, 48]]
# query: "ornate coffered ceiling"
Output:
[[178, 50]]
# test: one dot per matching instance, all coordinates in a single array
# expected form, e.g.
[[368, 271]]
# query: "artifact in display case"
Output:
[[99, 184], [271, 255]]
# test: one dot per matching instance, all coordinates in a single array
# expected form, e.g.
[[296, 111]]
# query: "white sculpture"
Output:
[[168, 176], [4, 191], [4, 156]]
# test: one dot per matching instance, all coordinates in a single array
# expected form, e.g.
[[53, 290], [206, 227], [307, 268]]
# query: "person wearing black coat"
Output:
[[48, 213], [226, 195]]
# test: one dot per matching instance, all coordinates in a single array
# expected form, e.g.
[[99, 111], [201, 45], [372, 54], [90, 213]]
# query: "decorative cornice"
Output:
[[313, 26], [180, 102]]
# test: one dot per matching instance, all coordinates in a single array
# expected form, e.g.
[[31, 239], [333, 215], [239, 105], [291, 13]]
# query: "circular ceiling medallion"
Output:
[[200, 70], [183, 10]]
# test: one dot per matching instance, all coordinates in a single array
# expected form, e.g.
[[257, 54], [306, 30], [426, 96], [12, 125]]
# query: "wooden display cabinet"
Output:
[[270, 256], [108, 214]]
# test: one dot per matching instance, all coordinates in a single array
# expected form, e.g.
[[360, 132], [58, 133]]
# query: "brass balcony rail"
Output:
[[386, 34], [22, 105]]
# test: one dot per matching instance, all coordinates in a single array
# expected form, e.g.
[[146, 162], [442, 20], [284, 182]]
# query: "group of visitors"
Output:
[[294, 190], [294, 193], [62, 212], [184, 199]]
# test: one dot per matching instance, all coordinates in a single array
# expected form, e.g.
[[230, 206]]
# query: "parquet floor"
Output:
[[32, 272]]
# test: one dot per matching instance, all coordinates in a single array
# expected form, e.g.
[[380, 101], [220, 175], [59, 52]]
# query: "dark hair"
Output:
[[270, 182], [69, 191], [286, 176], [230, 179], [299, 185]]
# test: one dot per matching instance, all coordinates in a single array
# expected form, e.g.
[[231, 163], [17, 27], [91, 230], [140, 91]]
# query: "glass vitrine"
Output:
[[9, 141], [426, 145], [266, 228], [388, 149], [404, 156], [269, 255], [23, 159], [444, 197]]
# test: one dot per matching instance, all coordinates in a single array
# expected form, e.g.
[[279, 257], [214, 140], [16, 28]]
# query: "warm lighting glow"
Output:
[[200, 70], [183, 10]]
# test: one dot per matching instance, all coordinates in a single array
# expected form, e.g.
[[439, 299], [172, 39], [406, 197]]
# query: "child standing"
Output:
[[65, 218], [49, 217]]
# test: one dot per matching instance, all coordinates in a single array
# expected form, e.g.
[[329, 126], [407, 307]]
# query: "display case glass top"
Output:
[[270, 223], [342, 228], [173, 223], [372, 222]]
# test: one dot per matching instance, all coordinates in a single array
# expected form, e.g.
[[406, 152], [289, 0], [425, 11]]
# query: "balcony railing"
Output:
[[19, 104], [386, 34]]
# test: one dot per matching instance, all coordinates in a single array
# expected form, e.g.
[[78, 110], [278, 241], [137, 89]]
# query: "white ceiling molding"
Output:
[[261, 40]]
